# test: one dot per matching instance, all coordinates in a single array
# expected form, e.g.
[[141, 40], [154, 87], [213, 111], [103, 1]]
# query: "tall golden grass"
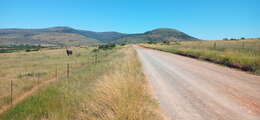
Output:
[[112, 89], [122, 94]]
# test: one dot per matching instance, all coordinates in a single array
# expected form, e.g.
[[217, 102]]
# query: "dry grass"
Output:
[[242, 54], [113, 89], [122, 94], [24, 68]]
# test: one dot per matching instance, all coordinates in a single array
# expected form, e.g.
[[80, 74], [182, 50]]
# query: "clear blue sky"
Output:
[[205, 19]]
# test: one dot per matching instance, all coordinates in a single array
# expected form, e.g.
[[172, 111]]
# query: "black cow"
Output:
[[69, 52]]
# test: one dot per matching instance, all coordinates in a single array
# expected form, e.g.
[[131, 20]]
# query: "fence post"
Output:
[[38, 79], [11, 100], [38, 85], [68, 71], [96, 59], [215, 45], [56, 72]]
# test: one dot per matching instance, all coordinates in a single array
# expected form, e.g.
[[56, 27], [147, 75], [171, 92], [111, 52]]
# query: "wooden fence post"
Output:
[[56, 72], [38, 79], [68, 71], [215, 45], [96, 58]]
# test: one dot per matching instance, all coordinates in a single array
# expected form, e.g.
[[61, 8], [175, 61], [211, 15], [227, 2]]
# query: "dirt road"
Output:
[[190, 89]]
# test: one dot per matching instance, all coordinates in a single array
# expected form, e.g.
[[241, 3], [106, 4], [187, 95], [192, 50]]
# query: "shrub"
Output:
[[123, 44], [151, 42], [225, 38], [107, 46], [166, 42], [30, 50]]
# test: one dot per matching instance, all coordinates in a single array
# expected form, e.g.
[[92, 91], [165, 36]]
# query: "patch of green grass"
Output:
[[36, 105]]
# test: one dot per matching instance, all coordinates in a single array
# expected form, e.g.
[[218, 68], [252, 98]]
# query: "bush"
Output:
[[95, 50], [166, 42], [225, 38], [123, 44], [151, 42], [30, 50], [107, 46], [177, 43]]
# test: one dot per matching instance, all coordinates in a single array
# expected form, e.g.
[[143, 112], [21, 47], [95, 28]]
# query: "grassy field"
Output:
[[241, 54], [103, 85], [28, 69]]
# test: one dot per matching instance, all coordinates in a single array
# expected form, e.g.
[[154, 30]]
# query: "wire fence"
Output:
[[61, 72]]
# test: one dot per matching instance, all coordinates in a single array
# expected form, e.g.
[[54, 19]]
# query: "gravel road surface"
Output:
[[190, 89]]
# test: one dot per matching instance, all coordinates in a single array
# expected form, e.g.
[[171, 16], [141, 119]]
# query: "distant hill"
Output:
[[100, 36], [55, 36], [70, 36], [157, 35]]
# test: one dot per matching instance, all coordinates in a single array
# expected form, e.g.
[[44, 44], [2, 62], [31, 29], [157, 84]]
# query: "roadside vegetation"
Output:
[[103, 85], [243, 54], [107, 46]]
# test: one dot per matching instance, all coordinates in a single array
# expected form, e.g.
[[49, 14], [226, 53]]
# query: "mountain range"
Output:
[[71, 37]]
